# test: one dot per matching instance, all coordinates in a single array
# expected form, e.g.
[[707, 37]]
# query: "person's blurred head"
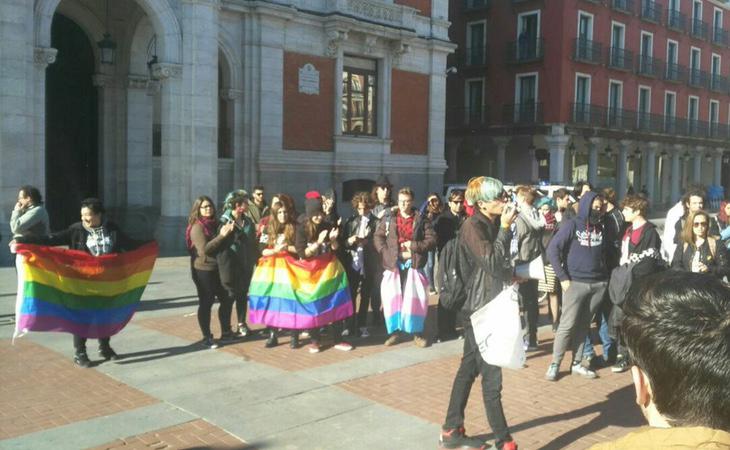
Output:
[[525, 195], [609, 195], [634, 207], [91, 211], [405, 200], [236, 202], [382, 191], [696, 226], [489, 195], [693, 199], [677, 331], [29, 196], [433, 203], [581, 188], [203, 207], [562, 199], [362, 203], [456, 202], [258, 195]]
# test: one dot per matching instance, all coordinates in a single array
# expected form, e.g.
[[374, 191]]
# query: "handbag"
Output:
[[498, 330]]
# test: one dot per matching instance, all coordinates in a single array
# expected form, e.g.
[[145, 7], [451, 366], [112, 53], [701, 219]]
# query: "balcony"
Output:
[[475, 5], [585, 50], [677, 21], [675, 72], [472, 118], [528, 113], [583, 114], [621, 59], [651, 11], [473, 56], [697, 78], [648, 66], [718, 83], [720, 37], [624, 6], [699, 29], [525, 50]]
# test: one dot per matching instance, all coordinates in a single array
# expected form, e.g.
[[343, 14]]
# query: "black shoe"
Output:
[[456, 438], [209, 342], [108, 353], [272, 341], [227, 337], [82, 360], [294, 342], [243, 330]]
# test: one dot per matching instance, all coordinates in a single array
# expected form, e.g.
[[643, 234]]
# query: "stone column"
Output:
[[676, 173], [556, 146], [621, 163], [501, 143], [108, 161], [651, 170], [239, 156], [140, 110], [594, 145], [717, 166], [697, 165], [437, 115]]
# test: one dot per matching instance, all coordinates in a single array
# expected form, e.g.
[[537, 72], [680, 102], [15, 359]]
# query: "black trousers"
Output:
[[365, 285], [472, 365], [208, 284], [80, 343], [445, 321], [528, 291]]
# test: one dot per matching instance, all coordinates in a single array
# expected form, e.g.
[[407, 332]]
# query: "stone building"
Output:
[[203, 96]]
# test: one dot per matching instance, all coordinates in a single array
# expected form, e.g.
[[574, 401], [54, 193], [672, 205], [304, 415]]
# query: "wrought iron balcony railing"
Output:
[[523, 113], [472, 118], [625, 6], [651, 11], [675, 72], [676, 20], [620, 58], [718, 83], [697, 78], [525, 49], [585, 50], [720, 37], [699, 29], [649, 66], [475, 5]]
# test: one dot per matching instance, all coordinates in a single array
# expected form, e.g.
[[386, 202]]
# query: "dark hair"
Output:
[[275, 227], [364, 198], [94, 204], [677, 330], [455, 194], [374, 194], [578, 188], [33, 193], [688, 231], [560, 193], [609, 194], [195, 210], [637, 203], [258, 187], [693, 190]]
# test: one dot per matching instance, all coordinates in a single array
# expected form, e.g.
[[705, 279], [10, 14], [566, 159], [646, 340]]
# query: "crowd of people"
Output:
[[592, 250]]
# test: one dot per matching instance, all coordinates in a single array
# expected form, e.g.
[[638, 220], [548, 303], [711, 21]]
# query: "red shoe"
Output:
[[511, 445]]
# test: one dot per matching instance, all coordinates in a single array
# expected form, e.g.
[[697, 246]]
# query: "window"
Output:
[[714, 117], [615, 100], [670, 111], [476, 43], [715, 64], [672, 53], [582, 98], [526, 98], [646, 60], [359, 96], [528, 34], [618, 55], [694, 59], [474, 101], [584, 47], [644, 108], [693, 114]]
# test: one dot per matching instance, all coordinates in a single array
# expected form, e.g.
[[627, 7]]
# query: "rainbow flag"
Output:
[[74, 292], [299, 294]]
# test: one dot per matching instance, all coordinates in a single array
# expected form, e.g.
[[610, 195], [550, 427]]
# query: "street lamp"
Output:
[[608, 151], [663, 154], [107, 47]]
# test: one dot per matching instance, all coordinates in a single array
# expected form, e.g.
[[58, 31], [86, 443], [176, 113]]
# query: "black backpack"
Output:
[[454, 275]]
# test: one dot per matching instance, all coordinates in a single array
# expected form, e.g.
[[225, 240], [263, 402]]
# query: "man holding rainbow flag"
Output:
[[90, 290]]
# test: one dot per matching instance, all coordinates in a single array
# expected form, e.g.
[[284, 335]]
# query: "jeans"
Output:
[[360, 317], [607, 342], [580, 303], [472, 365], [430, 262], [208, 284]]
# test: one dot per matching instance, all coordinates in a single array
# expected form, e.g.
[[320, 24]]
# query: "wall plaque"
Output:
[[308, 80]]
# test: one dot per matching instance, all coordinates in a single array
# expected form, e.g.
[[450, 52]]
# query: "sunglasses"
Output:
[[457, 202]]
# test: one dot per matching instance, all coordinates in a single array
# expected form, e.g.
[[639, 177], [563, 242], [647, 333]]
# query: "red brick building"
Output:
[[619, 92]]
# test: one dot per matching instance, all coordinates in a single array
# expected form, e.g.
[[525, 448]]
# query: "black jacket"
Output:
[[487, 247], [236, 255], [370, 256], [718, 265], [76, 237], [446, 226], [646, 253]]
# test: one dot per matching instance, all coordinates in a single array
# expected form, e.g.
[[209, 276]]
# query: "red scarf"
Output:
[[209, 225], [405, 227]]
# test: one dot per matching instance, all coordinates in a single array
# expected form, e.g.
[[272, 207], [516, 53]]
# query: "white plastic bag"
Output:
[[498, 330]]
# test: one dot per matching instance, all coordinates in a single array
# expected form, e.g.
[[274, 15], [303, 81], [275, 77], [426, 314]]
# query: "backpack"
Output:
[[454, 275]]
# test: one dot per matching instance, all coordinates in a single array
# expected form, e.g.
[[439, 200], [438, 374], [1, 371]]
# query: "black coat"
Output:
[[76, 235], [236, 255], [370, 256], [717, 264], [446, 226]]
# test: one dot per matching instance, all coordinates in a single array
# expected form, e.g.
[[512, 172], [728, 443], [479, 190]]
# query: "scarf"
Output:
[[209, 225]]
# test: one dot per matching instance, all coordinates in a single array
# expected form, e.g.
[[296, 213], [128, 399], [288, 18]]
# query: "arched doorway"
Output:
[[72, 153]]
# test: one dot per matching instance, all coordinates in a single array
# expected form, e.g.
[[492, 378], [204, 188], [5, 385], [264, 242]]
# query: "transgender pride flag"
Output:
[[77, 293]]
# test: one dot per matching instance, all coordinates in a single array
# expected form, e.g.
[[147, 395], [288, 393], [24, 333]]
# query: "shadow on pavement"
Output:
[[159, 353], [620, 400], [167, 303]]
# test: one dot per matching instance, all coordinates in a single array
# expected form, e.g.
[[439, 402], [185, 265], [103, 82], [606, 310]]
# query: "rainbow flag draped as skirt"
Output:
[[405, 308], [299, 294], [74, 292]]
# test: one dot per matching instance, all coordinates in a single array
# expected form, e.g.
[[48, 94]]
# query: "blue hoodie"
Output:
[[576, 252]]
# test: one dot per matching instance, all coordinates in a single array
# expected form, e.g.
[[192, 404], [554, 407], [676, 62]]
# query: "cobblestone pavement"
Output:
[[168, 392]]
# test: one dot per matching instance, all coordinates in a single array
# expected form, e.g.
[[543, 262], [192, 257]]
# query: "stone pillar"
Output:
[[651, 171], [108, 161], [676, 174], [621, 163], [556, 146], [140, 109], [437, 115], [501, 143], [697, 165], [594, 145], [239, 157], [717, 167]]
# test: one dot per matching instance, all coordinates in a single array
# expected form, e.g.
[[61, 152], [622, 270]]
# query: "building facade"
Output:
[[204, 96], [623, 93]]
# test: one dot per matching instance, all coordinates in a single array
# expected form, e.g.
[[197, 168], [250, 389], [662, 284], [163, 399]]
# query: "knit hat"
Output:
[[312, 194], [312, 206], [383, 181]]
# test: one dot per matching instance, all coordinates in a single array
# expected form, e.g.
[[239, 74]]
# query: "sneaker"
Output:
[[455, 438], [621, 366], [420, 342], [511, 445], [272, 341], [585, 372], [552, 372], [364, 333], [82, 360], [344, 346], [392, 340], [108, 353], [243, 330], [209, 342], [313, 347]]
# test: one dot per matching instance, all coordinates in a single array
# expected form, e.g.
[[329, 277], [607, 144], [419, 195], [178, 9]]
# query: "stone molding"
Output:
[[163, 71], [213, 3], [378, 11], [370, 42], [398, 49], [43, 56], [230, 94], [102, 80], [137, 82], [335, 37]]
